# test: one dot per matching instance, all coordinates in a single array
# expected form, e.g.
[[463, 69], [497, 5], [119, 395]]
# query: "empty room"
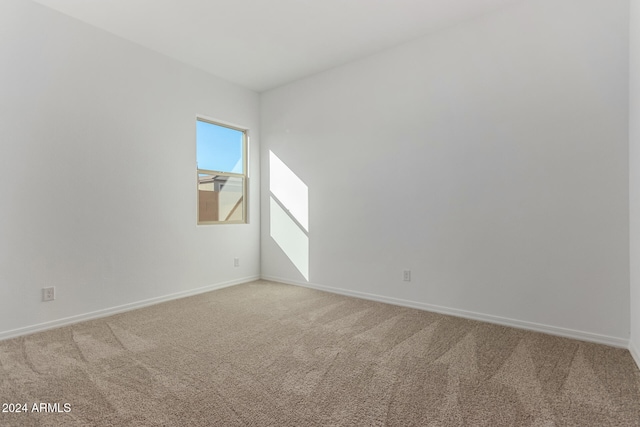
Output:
[[310, 213]]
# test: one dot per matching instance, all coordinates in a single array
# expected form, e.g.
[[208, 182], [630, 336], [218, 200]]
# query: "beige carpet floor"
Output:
[[268, 354]]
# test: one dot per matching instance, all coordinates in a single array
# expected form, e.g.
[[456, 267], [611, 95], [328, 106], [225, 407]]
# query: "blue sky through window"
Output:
[[218, 148]]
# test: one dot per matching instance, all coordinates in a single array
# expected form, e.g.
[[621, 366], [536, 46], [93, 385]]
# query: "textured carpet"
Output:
[[267, 354]]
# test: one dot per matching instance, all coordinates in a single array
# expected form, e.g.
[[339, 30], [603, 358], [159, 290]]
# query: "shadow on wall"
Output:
[[289, 213]]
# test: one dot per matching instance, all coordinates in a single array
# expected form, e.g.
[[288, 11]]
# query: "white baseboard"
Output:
[[531, 326], [635, 353], [552, 330], [119, 309]]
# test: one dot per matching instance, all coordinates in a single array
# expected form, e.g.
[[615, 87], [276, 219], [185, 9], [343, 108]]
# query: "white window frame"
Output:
[[243, 176]]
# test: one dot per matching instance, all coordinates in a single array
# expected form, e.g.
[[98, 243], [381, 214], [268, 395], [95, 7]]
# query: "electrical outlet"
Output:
[[406, 275], [49, 294], [236, 262]]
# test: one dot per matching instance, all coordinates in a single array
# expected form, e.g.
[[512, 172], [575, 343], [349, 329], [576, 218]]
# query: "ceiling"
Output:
[[262, 44]]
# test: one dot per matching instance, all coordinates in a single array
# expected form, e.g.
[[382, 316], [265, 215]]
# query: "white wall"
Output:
[[489, 158], [634, 177], [97, 173]]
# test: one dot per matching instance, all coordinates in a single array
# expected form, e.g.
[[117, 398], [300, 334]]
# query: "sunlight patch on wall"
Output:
[[289, 213], [290, 191], [291, 238]]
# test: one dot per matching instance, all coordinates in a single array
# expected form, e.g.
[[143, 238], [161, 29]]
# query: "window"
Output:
[[221, 153]]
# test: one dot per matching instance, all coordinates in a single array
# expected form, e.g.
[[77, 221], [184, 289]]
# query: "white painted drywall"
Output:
[[634, 176], [97, 172], [489, 158]]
